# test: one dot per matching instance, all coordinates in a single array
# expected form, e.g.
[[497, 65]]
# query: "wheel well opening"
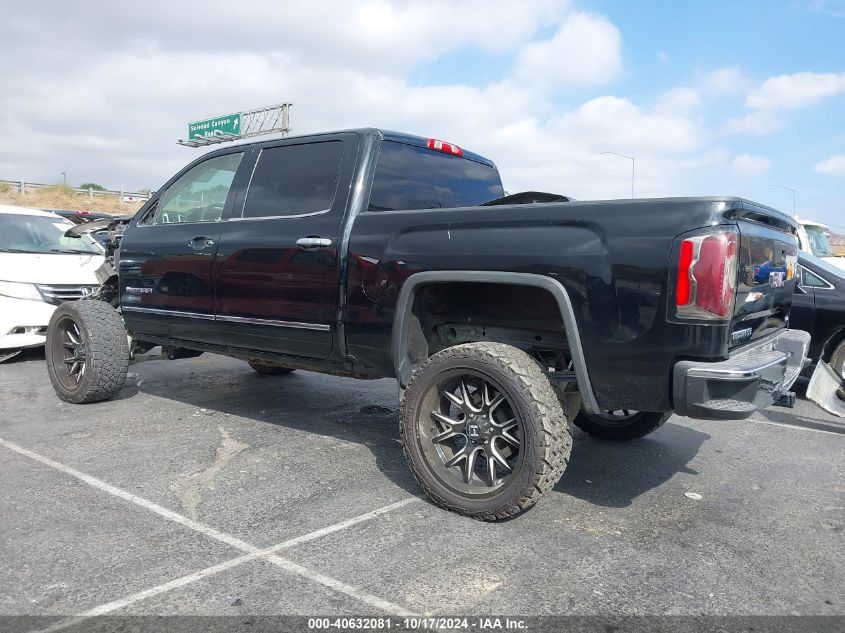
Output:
[[452, 313]]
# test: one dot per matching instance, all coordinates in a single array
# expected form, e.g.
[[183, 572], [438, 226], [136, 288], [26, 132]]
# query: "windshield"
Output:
[[818, 241], [21, 233]]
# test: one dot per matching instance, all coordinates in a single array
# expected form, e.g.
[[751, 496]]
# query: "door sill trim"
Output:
[[227, 319]]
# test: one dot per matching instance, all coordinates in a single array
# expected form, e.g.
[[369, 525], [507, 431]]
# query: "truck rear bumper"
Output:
[[751, 379]]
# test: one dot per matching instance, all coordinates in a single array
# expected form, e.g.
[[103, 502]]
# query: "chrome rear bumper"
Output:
[[753, 378]]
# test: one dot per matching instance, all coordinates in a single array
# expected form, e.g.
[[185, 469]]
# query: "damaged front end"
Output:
[[108, 233]]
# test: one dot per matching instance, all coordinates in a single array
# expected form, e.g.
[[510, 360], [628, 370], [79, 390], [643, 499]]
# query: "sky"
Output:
[[710, 97]]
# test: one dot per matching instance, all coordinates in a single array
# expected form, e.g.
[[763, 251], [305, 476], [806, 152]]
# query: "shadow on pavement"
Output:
[[613, 474], [791, 418], [300, 401], [600, 472]]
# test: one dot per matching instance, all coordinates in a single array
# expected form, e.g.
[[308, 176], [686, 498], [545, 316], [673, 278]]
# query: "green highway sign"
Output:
[[229, 123]]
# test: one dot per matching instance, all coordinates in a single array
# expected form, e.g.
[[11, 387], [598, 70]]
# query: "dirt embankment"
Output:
[[61, 197]]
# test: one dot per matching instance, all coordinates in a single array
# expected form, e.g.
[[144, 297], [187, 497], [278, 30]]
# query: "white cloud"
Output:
[[383, 36], [614, 123], [110, 107], [662, 57], [723, 81], [678, 101], [747, 166], [833, 166], [758, 123], [833, 8], [788, 92], [586, 50]]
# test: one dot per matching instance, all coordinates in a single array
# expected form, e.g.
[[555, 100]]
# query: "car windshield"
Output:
[[819, 243], [829, 270], [20, 233]]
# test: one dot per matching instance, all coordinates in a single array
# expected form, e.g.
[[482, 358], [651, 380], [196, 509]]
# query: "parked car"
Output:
[[814, 238], [819, 308], [39, 269], [375, 254], [79, 217]]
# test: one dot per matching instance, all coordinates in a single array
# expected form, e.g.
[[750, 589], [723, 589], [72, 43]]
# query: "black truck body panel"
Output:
[[615, 274], [337, 311]]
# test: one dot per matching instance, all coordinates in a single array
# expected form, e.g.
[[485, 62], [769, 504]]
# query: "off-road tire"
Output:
[[641, 425], [547, 437], [107, 350], [837, 359], [270, 370]]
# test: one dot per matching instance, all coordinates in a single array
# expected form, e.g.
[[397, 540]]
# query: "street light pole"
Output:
[[64, 178], [793, 196], [633, 168]]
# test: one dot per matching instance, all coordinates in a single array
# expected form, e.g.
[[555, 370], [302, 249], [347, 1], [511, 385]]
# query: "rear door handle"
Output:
[[199, 243], [313, 242]]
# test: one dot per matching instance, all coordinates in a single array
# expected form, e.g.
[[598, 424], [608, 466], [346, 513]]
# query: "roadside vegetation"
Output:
[[64, 197]]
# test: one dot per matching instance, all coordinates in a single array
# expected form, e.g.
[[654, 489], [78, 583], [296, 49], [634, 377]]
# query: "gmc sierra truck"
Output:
[[374, 254]]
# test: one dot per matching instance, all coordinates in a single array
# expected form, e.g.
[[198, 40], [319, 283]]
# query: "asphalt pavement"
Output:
[[206, 489]]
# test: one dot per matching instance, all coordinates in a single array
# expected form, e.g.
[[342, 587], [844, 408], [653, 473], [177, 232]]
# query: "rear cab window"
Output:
[[409, 177]]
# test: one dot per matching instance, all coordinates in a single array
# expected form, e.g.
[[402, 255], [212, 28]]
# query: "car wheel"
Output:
[[270, 370], [621, 425], [483, 430], [837, 360], [87, 351]]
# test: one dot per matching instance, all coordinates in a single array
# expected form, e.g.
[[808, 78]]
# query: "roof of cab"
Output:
[[388, 135]]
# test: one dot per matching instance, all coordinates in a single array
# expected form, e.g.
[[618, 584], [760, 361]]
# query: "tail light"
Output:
[[442, 146], [707, 271]]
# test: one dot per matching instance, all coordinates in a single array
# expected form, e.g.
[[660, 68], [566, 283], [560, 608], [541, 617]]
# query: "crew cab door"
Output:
[[166, 256], [278, 269]]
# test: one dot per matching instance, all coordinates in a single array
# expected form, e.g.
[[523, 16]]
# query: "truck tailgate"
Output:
[[768, 257]]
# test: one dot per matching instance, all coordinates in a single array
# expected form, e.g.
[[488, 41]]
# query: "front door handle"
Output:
[[313, 242], [199, 243]]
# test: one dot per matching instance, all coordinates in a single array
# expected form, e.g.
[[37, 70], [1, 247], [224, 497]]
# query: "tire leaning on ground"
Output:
[[483, 430], [270, 370], [837, 359], [837, 363], [87, 351], [620, 426]]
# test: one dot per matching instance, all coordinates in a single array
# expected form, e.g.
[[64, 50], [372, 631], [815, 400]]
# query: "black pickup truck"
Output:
[[374, 254]]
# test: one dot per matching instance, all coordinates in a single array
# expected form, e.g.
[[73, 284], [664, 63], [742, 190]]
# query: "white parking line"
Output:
[[128, 496], [252, 552], [796, 427]]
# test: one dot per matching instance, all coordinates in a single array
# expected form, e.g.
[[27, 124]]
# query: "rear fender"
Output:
[[402, 363]]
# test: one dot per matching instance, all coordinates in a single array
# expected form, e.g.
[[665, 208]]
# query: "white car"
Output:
[[813, 238], [39, 269]]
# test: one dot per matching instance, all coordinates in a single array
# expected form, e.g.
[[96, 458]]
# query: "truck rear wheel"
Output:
[[620, 426], [87, 351], [270, 370], [483, 430]]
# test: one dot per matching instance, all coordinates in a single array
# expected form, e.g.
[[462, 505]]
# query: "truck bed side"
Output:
[[612, 257]]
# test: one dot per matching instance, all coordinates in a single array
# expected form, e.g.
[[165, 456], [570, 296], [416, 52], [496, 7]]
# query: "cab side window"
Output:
[[292, 180], [199, 195]]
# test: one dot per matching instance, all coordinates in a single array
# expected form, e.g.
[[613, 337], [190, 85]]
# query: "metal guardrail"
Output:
[[126, 196]]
